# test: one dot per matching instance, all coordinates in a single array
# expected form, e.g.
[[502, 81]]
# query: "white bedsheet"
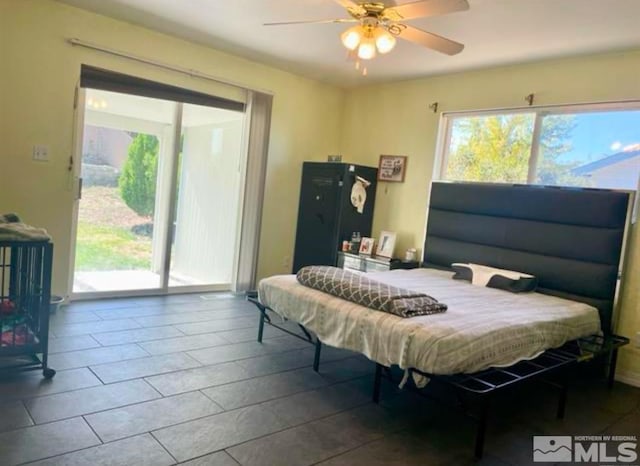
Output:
[[483, 327]]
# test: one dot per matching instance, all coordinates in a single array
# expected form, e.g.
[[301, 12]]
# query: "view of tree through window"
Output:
[[589, 148], [491, 148]]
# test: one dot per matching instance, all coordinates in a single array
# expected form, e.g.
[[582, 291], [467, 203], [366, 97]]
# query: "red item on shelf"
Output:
[[19, 336], [7, 306]]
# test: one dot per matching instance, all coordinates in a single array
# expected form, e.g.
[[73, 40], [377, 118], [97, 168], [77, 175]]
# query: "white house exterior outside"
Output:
[[620, 170]]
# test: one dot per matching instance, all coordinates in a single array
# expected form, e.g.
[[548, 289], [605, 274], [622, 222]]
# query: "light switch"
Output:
[[41, 153]]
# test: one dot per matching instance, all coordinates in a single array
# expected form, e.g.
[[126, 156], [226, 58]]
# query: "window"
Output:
[[586, 146]]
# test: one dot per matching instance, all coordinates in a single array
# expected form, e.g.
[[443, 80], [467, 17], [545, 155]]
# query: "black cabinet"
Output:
[[326, 215]]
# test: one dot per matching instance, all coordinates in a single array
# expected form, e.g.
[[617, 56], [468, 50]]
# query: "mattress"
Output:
[[482, 328]]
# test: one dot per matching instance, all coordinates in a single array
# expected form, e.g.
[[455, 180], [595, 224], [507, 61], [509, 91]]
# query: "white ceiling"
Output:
[[495, 32]]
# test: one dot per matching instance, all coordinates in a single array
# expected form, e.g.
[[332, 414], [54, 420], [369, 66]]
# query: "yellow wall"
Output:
[[38, 73], [395, 119], [37, 79]]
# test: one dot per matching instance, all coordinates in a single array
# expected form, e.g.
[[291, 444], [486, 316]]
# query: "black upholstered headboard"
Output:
[[571, 239]]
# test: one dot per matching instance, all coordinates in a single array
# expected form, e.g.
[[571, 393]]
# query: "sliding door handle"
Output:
[[79, 194]]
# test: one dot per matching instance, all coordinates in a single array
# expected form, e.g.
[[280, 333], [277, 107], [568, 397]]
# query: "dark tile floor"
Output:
[[159, 381]]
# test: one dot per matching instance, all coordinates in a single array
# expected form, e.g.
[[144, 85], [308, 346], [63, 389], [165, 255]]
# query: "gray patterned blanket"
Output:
[[359, 289]]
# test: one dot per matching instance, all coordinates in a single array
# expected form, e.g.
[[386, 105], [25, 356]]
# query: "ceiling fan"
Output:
[[379, 25]]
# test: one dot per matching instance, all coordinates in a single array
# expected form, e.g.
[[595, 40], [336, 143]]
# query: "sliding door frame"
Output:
[[170, 207]]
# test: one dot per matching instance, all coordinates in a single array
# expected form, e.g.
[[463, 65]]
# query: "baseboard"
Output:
[[630, 378]]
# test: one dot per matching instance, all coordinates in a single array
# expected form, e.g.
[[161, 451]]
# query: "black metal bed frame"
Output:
[[483, 386]]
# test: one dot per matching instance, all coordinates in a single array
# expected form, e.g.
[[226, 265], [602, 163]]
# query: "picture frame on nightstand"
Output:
[[366, 246], [386, 244]]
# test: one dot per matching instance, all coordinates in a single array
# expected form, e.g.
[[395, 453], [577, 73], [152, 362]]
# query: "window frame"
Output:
[[540, 111]]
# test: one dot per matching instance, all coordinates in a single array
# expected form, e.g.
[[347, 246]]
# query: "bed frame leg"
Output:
[[377, 380], [261, 325], [612, 367], [482, 427], [316, 356], [562, 401]]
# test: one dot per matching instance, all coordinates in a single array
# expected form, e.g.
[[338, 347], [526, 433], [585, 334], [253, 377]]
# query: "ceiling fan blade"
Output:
[[346, 3], [430, 40], [354, 9], [322, 21], [425, 8]]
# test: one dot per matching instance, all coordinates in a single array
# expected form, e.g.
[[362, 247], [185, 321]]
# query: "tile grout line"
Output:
[[137, 345], [159, 428], [359, 405], [95, 375], [163, 447], [225, 343], [65, 453], [109, 362], [103, 383], [348, 450], [202, 365], [92, 429], [232, 457], [293, 426], [306, 366], [93, 335], [162, 313], [332, 384], [90, 413], [186, 323], [175, 328], [377, 439], [152, 388], [135, 319], [102, 443], [33, 421], [224, 410]]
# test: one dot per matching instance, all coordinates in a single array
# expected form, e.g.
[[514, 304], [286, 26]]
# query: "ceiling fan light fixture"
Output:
[[367, 48], [385, 42], [351, 37]]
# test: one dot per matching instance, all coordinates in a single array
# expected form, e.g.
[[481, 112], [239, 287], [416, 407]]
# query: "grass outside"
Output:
[[101, 248], [105, 241]]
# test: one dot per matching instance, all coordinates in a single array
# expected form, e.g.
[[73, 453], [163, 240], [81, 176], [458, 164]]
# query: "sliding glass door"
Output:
[[208, 197], [125, 139], [160, 198]]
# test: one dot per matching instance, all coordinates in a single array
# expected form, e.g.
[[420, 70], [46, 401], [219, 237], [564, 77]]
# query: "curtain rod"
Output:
[[190, 72]]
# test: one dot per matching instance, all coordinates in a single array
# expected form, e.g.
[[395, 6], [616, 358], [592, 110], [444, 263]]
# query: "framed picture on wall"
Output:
[[392, 168], [386, 244]]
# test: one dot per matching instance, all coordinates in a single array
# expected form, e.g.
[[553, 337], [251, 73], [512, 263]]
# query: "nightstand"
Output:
[[358, 263]]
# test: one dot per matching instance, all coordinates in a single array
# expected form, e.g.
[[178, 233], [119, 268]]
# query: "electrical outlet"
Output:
[[636, 341], [40, 153]]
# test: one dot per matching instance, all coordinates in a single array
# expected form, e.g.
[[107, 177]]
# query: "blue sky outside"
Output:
[[597, 135], [594, 136]]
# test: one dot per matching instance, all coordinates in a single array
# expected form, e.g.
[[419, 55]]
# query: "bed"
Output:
[[482, 328], [570, 239]]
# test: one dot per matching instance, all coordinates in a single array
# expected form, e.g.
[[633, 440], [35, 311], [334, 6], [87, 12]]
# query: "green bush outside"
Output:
[[137, 181]]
